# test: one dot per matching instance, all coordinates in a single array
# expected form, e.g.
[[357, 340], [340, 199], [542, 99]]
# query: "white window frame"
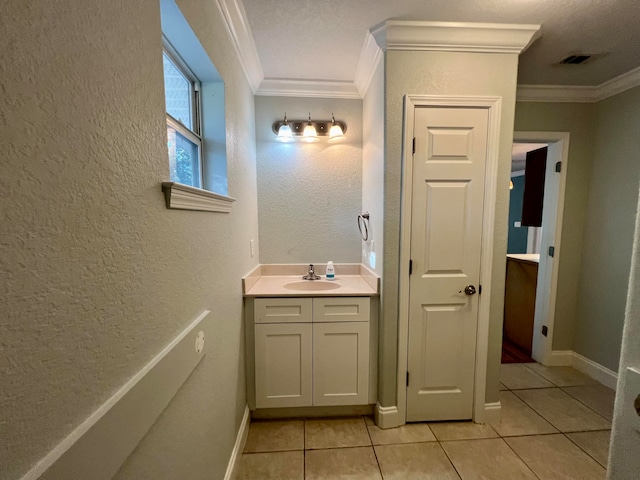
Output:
[[195, 135]]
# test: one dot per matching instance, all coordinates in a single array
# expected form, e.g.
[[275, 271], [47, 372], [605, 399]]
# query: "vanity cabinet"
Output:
[[311, 351]]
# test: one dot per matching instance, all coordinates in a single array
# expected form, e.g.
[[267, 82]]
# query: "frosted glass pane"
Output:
[[177, 92]]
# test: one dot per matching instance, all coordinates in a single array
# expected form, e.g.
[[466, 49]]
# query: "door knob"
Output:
[[468, 290]]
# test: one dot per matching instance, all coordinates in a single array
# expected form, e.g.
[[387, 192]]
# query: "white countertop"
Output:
[[266, 282], [529, 257]]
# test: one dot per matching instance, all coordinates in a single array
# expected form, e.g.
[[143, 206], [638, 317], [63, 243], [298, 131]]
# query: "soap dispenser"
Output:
[[331, 271]]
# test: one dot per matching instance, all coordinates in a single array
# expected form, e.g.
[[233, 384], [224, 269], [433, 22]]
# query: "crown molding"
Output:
[[455, 36], [619, 84], [370, 58], [579, 93], [284, 87], [235, 19]]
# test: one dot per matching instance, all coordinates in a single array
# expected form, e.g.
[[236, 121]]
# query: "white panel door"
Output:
[[283, 364], [446, 233], [341, 363]]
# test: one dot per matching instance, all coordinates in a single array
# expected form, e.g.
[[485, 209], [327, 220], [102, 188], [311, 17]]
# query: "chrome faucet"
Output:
[[311, 275]]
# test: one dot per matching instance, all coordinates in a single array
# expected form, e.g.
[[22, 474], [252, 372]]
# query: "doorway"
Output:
[[526, 192], [542, 244], [458, 169]]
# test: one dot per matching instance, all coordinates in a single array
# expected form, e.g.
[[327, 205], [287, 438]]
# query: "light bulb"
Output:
[[285, 134], [335, 132], [309, 133]]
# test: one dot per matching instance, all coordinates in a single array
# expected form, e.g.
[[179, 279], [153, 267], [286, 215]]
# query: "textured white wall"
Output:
[[309, 195], [373, 168], [442, 73], [97, 276], [609, 230], [579, 120]]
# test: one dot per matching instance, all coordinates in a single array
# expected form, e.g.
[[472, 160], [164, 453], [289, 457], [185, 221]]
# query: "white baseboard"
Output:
[[387, 417], [238, 448], [569, 358], [595, 370], [492, 413]]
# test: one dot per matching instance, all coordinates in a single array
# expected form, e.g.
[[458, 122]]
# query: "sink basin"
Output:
[[311, 285]]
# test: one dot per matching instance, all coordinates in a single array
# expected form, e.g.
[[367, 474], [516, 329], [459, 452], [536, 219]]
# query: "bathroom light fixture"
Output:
[[335, 132], [510, 184], [284, 131], [309, 134], [323, 128]]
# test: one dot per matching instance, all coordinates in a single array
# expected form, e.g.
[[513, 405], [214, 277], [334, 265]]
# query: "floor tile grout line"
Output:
[[580, 401], [521, 459], [582, 449], [536, 413], [540, 375], [450, 460]]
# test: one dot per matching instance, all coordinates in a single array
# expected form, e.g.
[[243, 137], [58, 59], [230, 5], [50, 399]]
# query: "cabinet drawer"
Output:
[[341, 309], [282, 310]]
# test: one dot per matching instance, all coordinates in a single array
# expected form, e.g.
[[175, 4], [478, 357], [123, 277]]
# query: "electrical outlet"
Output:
[[252, 247]]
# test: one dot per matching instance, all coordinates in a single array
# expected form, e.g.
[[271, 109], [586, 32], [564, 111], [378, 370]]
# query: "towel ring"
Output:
[[363, 223]]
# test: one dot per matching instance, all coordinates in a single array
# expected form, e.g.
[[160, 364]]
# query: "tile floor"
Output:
[[555, 425]]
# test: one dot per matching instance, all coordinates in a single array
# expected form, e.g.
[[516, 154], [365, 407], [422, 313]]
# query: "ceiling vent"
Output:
[[576, 59]]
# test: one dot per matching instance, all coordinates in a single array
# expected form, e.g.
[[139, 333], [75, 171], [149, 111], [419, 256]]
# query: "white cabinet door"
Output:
[[341, 363], [283, 365]]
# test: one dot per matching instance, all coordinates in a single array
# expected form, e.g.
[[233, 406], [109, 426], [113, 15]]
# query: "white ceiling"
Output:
[[322, 40]]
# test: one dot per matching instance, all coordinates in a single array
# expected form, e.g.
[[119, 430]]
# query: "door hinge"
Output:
[[558, 167], [410, 267], [407, 379], [414, 144], [479, 289], [552, 251], [545, 330]]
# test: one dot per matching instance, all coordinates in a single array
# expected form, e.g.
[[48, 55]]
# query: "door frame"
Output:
[[546, 292], [494, 106]]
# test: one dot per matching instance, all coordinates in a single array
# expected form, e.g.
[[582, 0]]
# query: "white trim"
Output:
[[492, 413], [619, 84], [518, 173], [285, 87], [493, 104], [370, 57], [238, 447], [97, 448], [455, 36], [594, 370], [237, 24], [579, 93], [184, 197], [387, 417], [569, 358], [546, 303]]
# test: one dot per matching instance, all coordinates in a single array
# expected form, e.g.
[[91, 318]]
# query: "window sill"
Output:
[[184, 197]]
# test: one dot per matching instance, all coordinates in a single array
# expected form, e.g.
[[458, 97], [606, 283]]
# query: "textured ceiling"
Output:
[[312, 40]]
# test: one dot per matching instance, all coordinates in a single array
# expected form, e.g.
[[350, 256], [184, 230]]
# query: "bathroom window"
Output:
[[195, 119], [184, 141]]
